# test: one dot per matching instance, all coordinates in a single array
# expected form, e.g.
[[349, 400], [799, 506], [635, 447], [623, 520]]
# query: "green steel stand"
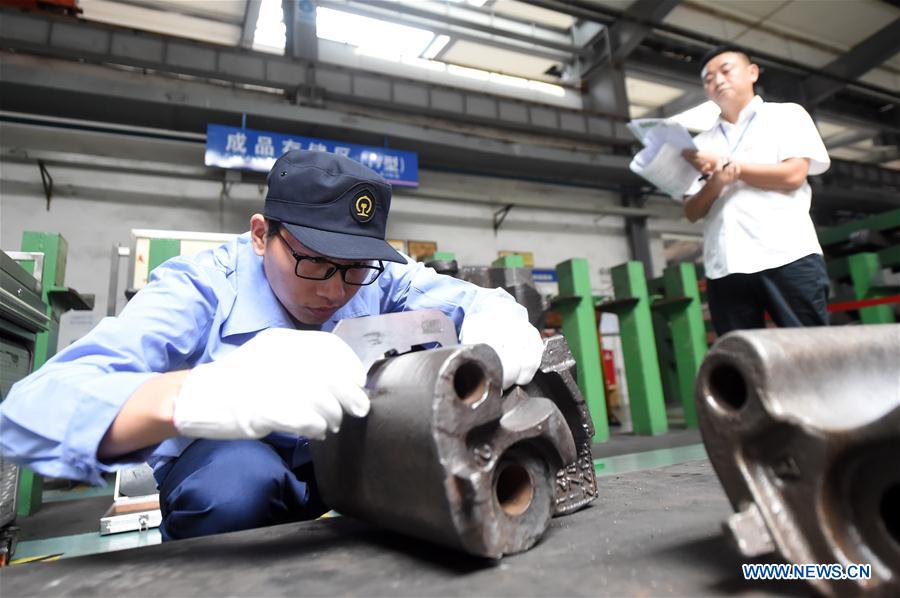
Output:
[[865, 273], [58, 300], [162, 250], [509, 261], [440, 256], [576, 306], [632, 304], [863, 269], [682, 309], [665, 351], [884, 221], [55, 250]]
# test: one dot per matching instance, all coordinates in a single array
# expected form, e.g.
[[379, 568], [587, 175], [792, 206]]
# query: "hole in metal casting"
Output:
[[469, 382], [728, 387], [514, 489]]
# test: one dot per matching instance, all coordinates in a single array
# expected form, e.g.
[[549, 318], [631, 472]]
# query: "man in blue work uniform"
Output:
[[220, 369]]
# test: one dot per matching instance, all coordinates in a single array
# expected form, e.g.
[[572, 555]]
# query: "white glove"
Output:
[[516, 341], [281, 380]]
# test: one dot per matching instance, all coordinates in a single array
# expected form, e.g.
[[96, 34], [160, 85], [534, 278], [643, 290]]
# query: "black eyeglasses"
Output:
[[319, 268]]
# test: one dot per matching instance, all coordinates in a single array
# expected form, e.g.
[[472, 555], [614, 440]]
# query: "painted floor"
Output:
[[619, 464], [72, 545]]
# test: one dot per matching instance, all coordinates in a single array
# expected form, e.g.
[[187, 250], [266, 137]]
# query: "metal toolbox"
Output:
[[135, 502]]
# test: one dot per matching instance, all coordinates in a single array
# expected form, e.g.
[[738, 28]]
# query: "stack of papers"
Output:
[[661, 162]]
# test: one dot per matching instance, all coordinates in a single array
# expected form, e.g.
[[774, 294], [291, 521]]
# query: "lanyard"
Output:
[[741, 138]]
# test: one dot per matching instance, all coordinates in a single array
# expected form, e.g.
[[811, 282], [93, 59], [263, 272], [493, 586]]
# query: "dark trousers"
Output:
[[220, 486], [795, 294]]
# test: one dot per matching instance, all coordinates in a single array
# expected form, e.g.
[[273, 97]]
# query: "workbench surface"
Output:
[[651, 532]]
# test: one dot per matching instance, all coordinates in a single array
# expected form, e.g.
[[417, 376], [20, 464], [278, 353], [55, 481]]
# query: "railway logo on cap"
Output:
[[362, 208]]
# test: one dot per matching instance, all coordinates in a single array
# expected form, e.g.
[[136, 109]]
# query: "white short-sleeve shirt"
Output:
[[748, 229]]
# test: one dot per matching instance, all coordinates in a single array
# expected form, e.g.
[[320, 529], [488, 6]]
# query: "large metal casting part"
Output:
[[444, 455], [803, 429]]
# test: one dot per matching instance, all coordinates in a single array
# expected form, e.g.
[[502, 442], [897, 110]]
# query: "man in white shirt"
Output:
[[760, 250]]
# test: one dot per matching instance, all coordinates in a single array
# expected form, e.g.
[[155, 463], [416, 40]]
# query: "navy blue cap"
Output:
[[334, 205]]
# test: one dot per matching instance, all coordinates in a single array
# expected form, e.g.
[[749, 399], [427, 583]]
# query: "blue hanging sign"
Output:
[[247, 149], [543, 275]]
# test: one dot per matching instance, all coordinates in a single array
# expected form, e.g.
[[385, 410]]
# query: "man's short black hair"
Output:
[[722, 50]]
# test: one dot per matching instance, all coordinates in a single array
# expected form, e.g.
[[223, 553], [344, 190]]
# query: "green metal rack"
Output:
[[682, 309], [632, 305], [835, 235], [58, 299], [863, 248], [439, 256], [509, 261], [865, 274], [665, 346], [576, 306], [162, 250]]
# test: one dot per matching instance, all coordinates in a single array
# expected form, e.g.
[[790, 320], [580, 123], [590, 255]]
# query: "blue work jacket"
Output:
[[192, 311]]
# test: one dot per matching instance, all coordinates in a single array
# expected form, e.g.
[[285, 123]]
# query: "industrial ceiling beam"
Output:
[[597, 13], [44, 35], [94, 92], [478, 20], [691, 44], [883, 155], [862, 58], [603, 89], [605, 48], [458, 22], [301, 41], [627, 33], [188, 9], [636, 228], [487, 10], [678, 62], [846, 138], [248, 27], [860, 110]]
